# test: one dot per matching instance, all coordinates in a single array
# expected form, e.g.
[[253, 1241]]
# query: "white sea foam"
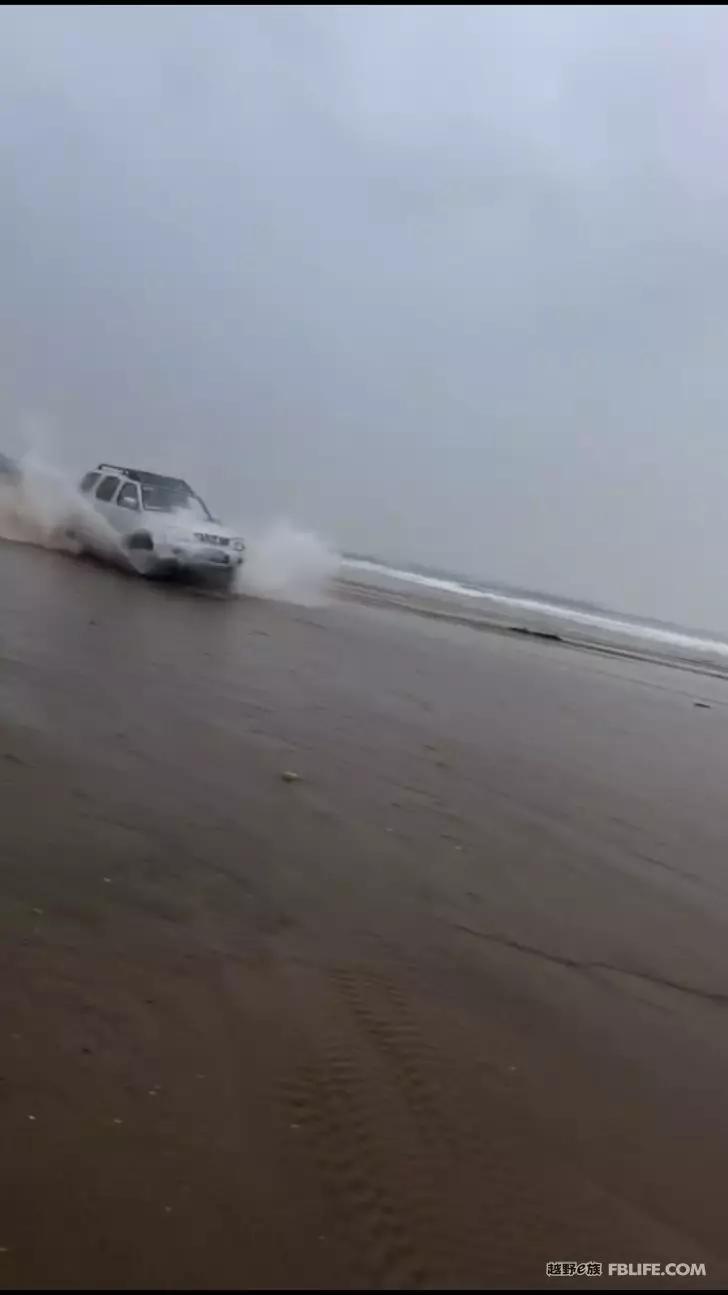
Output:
[[599, 626]]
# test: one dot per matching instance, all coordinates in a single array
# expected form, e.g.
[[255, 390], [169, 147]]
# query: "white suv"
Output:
[[164, 526]]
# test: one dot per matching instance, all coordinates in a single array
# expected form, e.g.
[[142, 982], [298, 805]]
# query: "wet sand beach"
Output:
[[447, 1006]]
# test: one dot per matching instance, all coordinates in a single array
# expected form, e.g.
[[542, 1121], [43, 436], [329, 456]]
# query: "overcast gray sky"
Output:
[[443, 283]]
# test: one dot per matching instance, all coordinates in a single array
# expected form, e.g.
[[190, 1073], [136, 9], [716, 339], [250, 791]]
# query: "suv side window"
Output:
[[89, 481], [107, 489], [129, 497]]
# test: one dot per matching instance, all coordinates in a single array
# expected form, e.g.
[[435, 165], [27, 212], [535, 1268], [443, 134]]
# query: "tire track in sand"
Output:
[[373, 1107]]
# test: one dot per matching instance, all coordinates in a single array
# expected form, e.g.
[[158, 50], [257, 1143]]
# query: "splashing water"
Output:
[[287, 565], [43, 507], [33, 508]]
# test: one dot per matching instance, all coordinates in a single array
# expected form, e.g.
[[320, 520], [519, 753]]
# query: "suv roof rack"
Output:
[[150, 478], [112, 467]]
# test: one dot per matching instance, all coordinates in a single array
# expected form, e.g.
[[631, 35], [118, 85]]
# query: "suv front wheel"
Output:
[[140, 540], [140, 548]]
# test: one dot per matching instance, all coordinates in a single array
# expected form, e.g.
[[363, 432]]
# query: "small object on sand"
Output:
[[31, 1117], [115, 1121], [289, 776], [701, 705]]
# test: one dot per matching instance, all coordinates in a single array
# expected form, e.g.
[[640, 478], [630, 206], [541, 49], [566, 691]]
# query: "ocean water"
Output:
[[543, 614]]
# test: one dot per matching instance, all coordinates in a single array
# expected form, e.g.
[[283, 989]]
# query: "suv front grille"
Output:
[[222, 540]]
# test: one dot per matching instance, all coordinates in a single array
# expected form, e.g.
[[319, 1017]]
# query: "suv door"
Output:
[[104, 498], [127, 507]]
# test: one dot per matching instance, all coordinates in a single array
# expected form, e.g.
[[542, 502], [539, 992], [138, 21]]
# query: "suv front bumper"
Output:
[[199, 557]]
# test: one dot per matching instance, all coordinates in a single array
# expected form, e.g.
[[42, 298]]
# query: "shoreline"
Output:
[[533, 626]]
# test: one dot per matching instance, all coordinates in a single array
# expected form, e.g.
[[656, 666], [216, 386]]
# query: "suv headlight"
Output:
[[238, 545]]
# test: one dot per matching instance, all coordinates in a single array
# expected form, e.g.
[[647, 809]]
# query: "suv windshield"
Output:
[[169, 497]]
